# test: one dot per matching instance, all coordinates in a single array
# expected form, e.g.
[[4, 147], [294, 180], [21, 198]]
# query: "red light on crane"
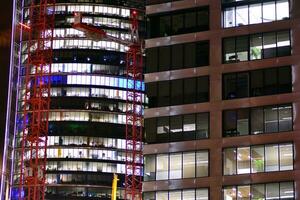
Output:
[[134, 13]]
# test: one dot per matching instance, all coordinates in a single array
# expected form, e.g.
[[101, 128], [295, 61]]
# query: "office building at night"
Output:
[[223, 82], [86, 138]]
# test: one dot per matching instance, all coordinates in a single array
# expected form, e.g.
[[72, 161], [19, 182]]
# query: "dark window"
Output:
[[177, 56], [284, 80], [202, 89], [151, 90], [152, 60], [202, 53], [150, 130], [190, 55], [189, 90], [177, 128], [178, 22], [176, 92], [270, 81], [164, 58], [163, 93], [267, 119], [257, 83], [179, 91], [164, 26], [257, 121], [202, 125]]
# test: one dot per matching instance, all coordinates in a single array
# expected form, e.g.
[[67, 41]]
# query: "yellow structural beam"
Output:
[[114, 187]]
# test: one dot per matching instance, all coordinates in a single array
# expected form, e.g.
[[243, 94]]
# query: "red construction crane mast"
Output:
[[134, 101], [36, 102]]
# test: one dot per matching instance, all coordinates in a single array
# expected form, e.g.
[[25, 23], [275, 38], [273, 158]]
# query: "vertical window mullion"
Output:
[[278, 161]]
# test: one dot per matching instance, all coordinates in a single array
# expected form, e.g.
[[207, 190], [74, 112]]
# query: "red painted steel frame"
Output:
[[134, 116], [134, 103], [36, 100]]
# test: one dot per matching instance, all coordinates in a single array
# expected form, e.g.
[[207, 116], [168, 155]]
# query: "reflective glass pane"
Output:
[[229, 50], [202, 194], [162, 196], [255, 13], [271, 119], [257, 159], [176, 195], [188, 195], [229, 17], [244, 192], [243, 160], [271, 158], [287, 190], [258, 191], [241, 15], [268, 11], [282, 8], [257, 121], [269, 42], [175, 166], [229, 193], [286, 156], [255, 46], [272, 191], [285, 118], [243, 122], [149, 170], [242, 48], [189, 165], [201, 164], [229, 161], [162, 167]]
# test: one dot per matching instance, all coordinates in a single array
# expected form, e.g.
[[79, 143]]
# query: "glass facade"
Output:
[[256, 46], [178, 22], [255, 12], [177, 128], [260, 158], [281, 190], [86, 143], [176, 165], [186, 194], [257, 83], [258, 120], [179, 91], [179, 56]]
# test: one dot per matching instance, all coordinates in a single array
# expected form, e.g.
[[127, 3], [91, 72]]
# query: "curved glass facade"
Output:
[[86, 142]]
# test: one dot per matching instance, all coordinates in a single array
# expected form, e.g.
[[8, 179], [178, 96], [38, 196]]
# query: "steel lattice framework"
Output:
[[36, 100], [134, 100], [134, 115]]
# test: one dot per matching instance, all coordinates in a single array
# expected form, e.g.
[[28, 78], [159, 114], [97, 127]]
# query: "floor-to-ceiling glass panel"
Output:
[[229, 161], [257, 159], [243, 160]]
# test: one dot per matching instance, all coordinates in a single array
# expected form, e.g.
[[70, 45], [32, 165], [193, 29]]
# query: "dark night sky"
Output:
[[5, 26]]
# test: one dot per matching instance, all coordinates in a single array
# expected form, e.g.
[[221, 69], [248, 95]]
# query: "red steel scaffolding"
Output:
[[36, 102], [134, 115], [134, 101]]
